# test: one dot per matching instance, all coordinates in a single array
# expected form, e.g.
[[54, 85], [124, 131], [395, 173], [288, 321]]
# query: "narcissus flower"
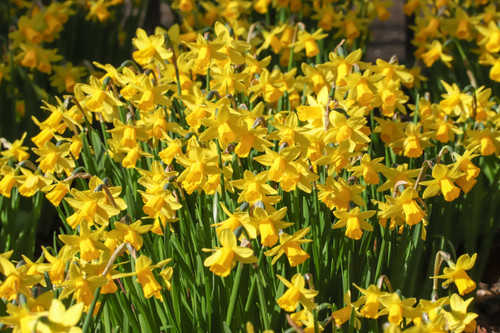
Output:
[[296, 293], [60, 319], [435, 52], [65, 77], [149, 48], [269, 224], [369, 169], [337, 159], [160, 206], [200, 163], [371, 303], [57, 264], [16, 280], [338, 194], [16, 150], [459, 320], [225, 257], [355, 221], [414, 142], [395, 308], [443, 182], [54, 159], [81, 285], [455, 102], [31, 183], [56, 192], [132, 233], [290, 245], [468, 180], [236, 220], [254, 187], [308, 42], [491, 34], [456, 273], [487, 140], [344, 314], [95, 99], [279, 163], [91, 207], [306, 318], [289, 131], [404, 206], [88, 242], [143, 270], [8, 180], [204, 52]]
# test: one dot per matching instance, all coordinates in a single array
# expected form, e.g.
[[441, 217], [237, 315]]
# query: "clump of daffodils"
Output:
[[193, 166]]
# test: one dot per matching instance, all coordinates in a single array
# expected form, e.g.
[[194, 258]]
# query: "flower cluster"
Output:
[[228, 142]]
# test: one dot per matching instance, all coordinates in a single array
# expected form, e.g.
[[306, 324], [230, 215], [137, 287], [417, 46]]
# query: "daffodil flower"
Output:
[[149, 48], [458, 319], [290, 245], [443, 182], [145, 277], [355, 221], [371, 303], [396, 308], [224, 259], [269, 224], [456, 273], [296, 293]]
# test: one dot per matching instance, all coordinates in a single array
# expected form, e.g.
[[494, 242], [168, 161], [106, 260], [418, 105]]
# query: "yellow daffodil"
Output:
[[31, 183], [149, 48], [15, 150], [306, 318], [8, 180], [160, 206], [344, 314], [204, 52], [236, 220], [16, 280], [491, 34], [456, 273], [57, 264], [371, 303], [458, 319], [487, 140], [296, 293], [279, 162], [254, 187], [308, 42], [455, 102], [91, 207], [355, 221], [338, 194], [145, 277], [435, 52], [395, 307], [369, 169], [54, 158], [290, 245], [443, 182], [405, 207], [471, 172], [88, 242], [199, 163], [269, 224], [225, 257]]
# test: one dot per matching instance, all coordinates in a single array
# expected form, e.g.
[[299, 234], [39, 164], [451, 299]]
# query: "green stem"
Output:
[[234, 295], [88, 317], [263, 305]]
